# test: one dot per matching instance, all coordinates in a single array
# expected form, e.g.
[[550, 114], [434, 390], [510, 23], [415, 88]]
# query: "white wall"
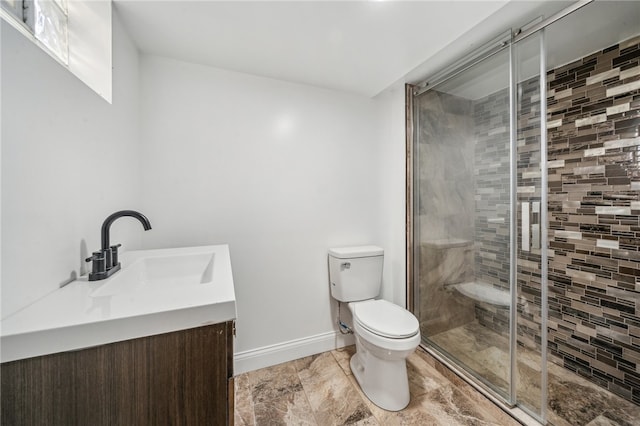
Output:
[[280, 171], [391, 190], [69, 159]]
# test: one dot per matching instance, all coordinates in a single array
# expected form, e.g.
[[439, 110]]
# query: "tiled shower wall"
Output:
[[594, 209], [491, 118], [593, 122], [445, 210], [492, 212], [529, 296]]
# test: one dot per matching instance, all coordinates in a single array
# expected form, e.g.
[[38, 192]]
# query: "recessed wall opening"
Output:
[[524, 216]]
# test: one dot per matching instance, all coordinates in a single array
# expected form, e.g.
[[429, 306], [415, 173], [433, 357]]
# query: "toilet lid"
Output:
[[386, 319]]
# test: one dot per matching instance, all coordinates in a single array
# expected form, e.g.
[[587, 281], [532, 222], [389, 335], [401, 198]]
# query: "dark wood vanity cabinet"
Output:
[[177, 378]]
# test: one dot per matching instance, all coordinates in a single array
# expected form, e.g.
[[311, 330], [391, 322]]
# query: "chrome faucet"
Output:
[[105, 261]]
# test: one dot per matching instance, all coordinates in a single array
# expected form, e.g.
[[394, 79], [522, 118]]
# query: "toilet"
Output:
[[386, 334]]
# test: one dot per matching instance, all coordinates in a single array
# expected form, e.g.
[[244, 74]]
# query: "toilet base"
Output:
[[383, 381]]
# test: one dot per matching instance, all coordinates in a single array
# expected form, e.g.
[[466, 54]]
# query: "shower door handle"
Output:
[[530, 226], [535, 225], [525, 231]]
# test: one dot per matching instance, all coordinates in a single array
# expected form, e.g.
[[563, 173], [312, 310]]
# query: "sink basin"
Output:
[[157, 273], [157, 291]]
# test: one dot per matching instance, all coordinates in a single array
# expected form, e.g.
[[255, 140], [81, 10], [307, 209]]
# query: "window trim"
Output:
[[22, 27]]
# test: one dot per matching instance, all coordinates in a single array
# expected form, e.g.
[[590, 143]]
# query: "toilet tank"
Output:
[[355, 273]]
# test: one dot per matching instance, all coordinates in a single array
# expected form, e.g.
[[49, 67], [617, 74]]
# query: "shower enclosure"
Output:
[[524, 215]]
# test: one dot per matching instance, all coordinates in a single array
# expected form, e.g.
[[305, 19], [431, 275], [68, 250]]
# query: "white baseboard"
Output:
[[266, 356]]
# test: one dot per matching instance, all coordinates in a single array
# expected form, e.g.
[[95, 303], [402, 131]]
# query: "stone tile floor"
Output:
[[572, 400], [320, 390]]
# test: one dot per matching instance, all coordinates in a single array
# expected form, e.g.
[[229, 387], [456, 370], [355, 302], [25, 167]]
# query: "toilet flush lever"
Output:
[[345, 265]]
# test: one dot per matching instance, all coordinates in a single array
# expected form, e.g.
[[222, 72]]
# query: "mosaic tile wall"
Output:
[[491, 118], [594, 208], [492, 212], [593, 121], [529, 185]]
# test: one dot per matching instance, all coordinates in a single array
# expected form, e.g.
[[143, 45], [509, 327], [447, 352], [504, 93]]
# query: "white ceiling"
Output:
[[355, 46]]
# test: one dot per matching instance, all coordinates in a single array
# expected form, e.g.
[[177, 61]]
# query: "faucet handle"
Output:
[[98, 262], [114, 254], [96, 255]]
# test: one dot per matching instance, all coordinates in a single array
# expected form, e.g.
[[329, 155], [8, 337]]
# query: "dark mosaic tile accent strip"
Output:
[[493, 317], [491, 173], [492, 207], [529, 191], [594, 227]]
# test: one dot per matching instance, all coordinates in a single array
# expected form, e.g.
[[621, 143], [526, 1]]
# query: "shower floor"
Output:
[[572, 400]]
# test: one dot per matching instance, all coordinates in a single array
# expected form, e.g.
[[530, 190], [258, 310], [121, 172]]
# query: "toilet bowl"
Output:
[[386, 334], [385, 325]]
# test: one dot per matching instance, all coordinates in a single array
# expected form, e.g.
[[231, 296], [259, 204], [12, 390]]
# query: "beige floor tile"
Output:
[[289, 409], [411, 415], [243, 410], [331, 395], [320, 390], [449, 406], [422, 376], [343, 356], [572, 400], [273, 382]]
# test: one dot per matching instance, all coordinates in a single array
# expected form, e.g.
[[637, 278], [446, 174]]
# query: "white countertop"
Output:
[[72, 318]]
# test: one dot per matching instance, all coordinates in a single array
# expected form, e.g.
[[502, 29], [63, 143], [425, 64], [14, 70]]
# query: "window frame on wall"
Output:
[[15, 8], [86, 45], [46, 20]]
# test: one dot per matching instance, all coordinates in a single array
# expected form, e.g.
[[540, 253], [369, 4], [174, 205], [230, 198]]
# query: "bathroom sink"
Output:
[[156, 291], [159, 273]]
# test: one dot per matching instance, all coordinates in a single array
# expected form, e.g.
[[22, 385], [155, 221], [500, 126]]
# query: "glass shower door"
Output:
[[479, 220], [524, 200], [463, 218], [531, 200]]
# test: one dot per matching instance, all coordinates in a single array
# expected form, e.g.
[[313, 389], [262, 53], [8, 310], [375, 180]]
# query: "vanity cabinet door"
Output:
[[178, 378]]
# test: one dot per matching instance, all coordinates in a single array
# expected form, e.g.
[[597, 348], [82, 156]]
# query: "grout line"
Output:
[[306, 396], [314, 413]]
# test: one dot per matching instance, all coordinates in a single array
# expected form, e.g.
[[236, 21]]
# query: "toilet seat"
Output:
[[385, 319]]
